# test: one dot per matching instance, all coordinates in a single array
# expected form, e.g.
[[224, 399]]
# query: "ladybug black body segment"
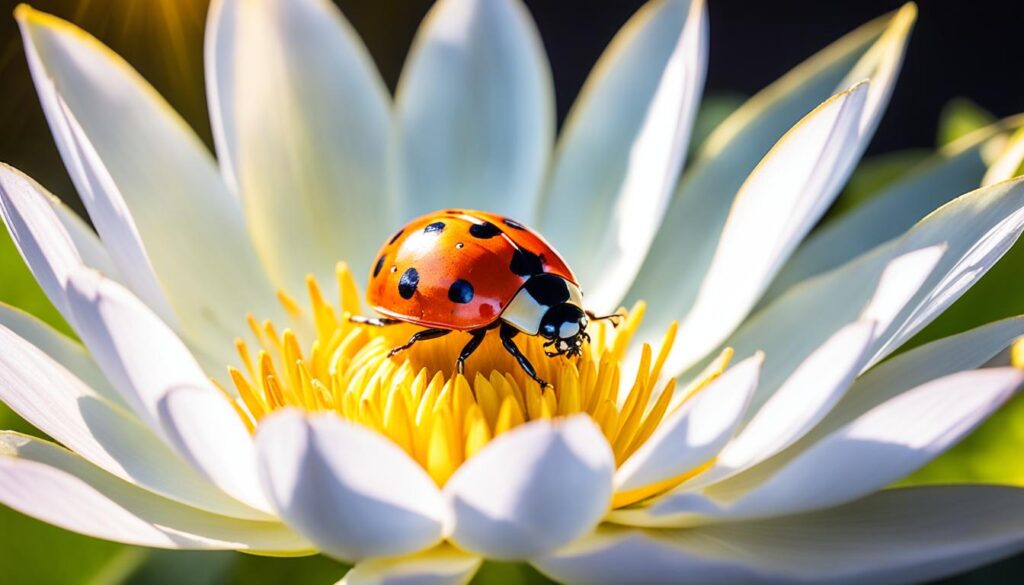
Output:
[[472, 271]]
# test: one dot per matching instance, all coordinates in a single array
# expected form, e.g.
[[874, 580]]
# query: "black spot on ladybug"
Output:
[[547, 289], [437, 226], [408, 283], [380, 264], [525, 263], [484, 231], [513, 224], [460, 292], [395, 237]]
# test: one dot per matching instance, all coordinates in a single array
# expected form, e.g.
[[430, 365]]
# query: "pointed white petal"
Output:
[[40, 236], [885, 444], [623, 145], [1007, 165], [143, 174], [701, 205], [65, 351], [444, 565], [696, 432], [56, 402], [302, 122], [350, 490], [979, 228], [532, 489], [475, 110], [957, 353], [888, 214], [807, 396], [158, 377], [775, 208], [898, 536], [89, 246], [54, 485]]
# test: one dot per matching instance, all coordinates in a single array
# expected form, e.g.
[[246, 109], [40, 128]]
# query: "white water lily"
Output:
[[773, 469]]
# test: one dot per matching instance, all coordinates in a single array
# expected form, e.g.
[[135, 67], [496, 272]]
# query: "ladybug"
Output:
[[460, 270]]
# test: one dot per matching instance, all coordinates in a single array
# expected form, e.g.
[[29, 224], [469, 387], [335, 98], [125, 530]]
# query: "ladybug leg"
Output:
[[420, 336], [614, 317], [469, 348], [506, 334], [373, 321]]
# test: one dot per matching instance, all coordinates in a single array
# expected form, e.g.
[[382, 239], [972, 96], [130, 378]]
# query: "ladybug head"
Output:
[[565, 327]]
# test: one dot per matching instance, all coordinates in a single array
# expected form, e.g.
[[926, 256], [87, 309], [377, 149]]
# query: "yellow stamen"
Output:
[[441, 418]]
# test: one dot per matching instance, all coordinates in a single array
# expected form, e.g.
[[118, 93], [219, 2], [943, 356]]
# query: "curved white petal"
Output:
[[889, 213], [350, 490], [1007, 165], [957, 353], [885, 444], [54, 485], [475, 109], [162, 382], [38, 233], [807, 396], [65, 351], [302, 122], [979, 228], [701, 205], [89, 246], [56, 402], [695, 432], [774, 209], [623, 145], [444, 565], [143, 174], [532, 489], [898, 536]]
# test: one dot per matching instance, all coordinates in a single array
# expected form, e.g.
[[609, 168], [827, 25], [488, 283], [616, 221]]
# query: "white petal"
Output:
[[802, 400], [444, 565], [623, 145], [885, 444], [700, 206], [696, 432], [65, 351], [889, 213], [143, 174], [957, 353], [350, 490], [39, 235], [162, 382], [533, 489], [54, 485], [89, 247], [302, 122], [52, 399], [978, 228], [872, 288], [475, 110], [898, 536], [775, 208], [1009, 161]]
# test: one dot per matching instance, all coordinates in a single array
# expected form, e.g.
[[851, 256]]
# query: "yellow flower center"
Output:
[[415, 398]]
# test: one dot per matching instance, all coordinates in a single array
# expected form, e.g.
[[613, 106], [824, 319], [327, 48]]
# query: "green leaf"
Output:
[[312, 570], [714, 109], [35, 552], [494, 573], [961, 116]]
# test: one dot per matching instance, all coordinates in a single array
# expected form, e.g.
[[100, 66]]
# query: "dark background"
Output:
[[969, 49]]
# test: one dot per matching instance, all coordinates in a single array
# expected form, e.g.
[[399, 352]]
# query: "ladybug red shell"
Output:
[[458, 269], [461, 270]]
